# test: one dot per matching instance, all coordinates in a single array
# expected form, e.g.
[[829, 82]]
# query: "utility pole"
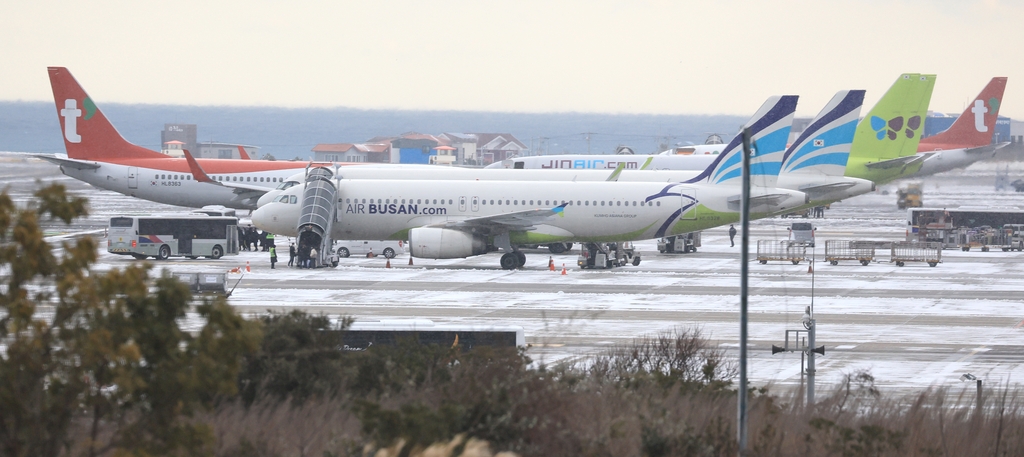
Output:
[[741, 406]]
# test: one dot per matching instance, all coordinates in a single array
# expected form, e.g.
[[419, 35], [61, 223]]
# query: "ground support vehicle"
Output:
[[782, 250], [903, 252], [607, 255], [909, 196], [836, 250], [685, 243], [984, 238]]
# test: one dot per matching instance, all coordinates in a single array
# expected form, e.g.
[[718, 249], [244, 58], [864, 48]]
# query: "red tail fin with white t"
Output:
[[88, 135], [976, 125]]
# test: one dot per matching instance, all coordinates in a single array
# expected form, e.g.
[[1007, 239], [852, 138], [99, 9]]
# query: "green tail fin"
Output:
[[886, 140]]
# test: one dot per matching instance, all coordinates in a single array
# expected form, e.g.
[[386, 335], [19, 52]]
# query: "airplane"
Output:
[[453, 218], [885, 144], [99, 155], [697, 158], [969, 139]]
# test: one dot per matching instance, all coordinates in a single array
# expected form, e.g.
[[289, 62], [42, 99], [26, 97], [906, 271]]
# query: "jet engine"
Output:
[[442, 243]]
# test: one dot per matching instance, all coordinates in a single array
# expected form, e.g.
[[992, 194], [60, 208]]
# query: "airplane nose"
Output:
[[262, 218]]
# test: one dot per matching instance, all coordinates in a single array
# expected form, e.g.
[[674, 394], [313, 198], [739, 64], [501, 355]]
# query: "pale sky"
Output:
[[608, 56]]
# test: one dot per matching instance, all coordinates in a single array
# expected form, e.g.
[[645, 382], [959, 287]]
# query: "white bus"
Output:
[[167, 236]]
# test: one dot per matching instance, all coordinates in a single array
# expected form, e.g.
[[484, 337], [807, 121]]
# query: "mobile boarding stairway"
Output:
[[319, 210]]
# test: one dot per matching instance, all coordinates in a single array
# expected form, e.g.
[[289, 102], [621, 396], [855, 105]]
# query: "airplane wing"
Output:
[[66, 162], [500, 223], [200, 175]]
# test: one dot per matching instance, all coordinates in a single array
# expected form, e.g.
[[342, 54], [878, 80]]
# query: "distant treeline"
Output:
[[288, 133]]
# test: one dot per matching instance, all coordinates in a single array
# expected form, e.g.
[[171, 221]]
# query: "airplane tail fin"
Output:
[[896, 118], [242, 154], [769, 128], [824, 146], [88, 135], [977, 123]]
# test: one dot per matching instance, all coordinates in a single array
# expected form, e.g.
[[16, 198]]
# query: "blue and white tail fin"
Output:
[[824, 146], [769, 128]]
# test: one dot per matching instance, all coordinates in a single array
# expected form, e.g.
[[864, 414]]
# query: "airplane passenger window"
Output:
[[531, 202], [403, 201], [499, 202], [449, 201], [587, 203], [506, 202], [618, 203], [659, 203], [547, 202], [602, 203], [515, 201], [577, 203]]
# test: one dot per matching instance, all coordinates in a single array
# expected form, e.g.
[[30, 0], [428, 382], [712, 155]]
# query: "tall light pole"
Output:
[[741, 406]]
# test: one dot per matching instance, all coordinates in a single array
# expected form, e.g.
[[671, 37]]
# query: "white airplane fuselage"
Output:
[[173, 188], [595, 211]]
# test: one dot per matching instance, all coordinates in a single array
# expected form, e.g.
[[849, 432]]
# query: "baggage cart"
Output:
[[836, 250], [781, 250], [906, 251]]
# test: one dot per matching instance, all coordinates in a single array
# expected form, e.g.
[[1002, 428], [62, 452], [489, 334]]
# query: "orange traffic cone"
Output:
[[410, 260], [551, 264], [810, 268], [563, 270], [388, 265], [247, 269]]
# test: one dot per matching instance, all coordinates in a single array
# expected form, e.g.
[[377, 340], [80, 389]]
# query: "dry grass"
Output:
[[662, 396]]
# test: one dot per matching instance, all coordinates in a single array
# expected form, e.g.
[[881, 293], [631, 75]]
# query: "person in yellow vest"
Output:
[[273, 256]]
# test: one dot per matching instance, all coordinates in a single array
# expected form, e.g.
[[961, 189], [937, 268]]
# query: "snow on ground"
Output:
[[913, 326]]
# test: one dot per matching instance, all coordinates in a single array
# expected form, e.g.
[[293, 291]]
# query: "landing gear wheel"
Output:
[[389, 253], [216, 253], [521, 257], [556, 248], [165, 252], [510, 261]]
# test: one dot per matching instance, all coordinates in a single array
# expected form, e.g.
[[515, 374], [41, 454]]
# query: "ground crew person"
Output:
[[273, 257], [732, 234], [291, 254]]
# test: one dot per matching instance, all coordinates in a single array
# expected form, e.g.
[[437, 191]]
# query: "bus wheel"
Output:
[[216, 252], [165, 252]]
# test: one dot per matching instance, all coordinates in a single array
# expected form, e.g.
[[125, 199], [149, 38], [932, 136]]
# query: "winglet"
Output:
[[243, 154], [197, 171], [647, 163], [615, 174], [560, 209]]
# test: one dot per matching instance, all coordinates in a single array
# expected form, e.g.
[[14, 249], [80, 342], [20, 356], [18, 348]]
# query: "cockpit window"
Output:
[[283, 199]]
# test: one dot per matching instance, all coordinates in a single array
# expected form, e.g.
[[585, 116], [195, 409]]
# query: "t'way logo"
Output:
[[71, 113]]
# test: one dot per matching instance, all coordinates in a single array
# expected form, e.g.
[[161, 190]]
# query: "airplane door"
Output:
[[462, 204], [688, 203], [476, 204], [133, 177]]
